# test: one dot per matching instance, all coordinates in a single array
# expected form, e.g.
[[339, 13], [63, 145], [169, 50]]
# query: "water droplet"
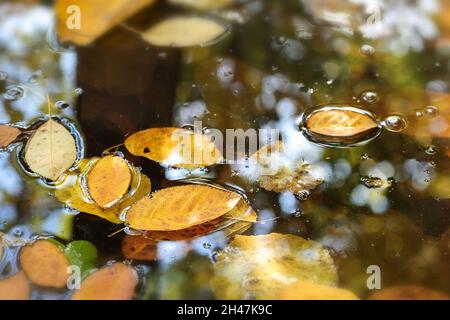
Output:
[[419, 114], [367, 50], [365, 156], [370, 97], [3, 75], [395, 123], [372, 182], [14, 92], [302, 195], [431, 111], [61, 105], [431, 150]]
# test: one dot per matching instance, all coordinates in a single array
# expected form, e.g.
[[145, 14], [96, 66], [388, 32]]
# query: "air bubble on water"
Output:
[[365, 156], [61, 105], [302, 195], [14, 92], [394, 123], [431, 150], [78, 92], [419, 114], [372, 182], [370, 97], [367, 50], [3, 75], [207, 245], [188, 127], [431, 111]]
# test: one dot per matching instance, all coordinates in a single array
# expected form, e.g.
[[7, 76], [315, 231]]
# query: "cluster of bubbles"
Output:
[[429, 111]]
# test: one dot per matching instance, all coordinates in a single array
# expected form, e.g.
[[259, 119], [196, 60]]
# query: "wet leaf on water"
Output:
[[304, 290], [83, 254], [95, 17], [139, 248], [8, 135], [340, 123], [16, 287], [203, 4], [115, 282], [109, 180], [51, 150], [259, 267], [409, 292], [174, 147], [184, 31], [180, 207], [72, 193], [45, 264]]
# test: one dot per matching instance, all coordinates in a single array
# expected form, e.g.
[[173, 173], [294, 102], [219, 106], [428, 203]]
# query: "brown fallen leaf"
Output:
[[304, 290], [184, 31], [51, 150], [409, 292], [338, 122], [72, 193], [139, 248], [45, 264], [115, 282], [7, 135], [109, 180], [96, 17], [174, 147], [15, 287], [180, 207]]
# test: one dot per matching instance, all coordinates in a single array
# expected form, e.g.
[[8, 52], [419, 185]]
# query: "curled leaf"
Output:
[[304, 290], [336, 124], [259, 267], [45, 264], [180, 207], [174, 147], [73, 193], [15, 287], [109, 180], [409, 292], [51, 150], [83, 21], [184, 31], [8, 135], [115, 282]]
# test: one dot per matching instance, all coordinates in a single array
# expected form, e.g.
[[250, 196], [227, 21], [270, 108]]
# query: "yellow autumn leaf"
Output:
[[83, 21], [7, 135], [115, 282], [409, 292], [51, 150], [203, 4], [45, 264], [108, 180], [340, 122], [180, 207], [260, 267], [304, 290], [184, 31], [15, 287], [73, 193], [174, 147]]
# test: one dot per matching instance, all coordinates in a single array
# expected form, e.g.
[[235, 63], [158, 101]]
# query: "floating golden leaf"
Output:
[[304, 290], [259, 267], [51, 150], [180, 207], [115, 282], [409, 292], [174, 147], [184, 31], [109, 180], [72, 193], [83, 21], [340, 123], [7, 135], [15, 287], [45, 264]]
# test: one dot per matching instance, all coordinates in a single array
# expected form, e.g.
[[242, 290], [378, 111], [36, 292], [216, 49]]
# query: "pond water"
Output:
[[384, 202]]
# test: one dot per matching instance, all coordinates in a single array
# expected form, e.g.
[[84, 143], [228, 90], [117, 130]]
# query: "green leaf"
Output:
[[82, 254]]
